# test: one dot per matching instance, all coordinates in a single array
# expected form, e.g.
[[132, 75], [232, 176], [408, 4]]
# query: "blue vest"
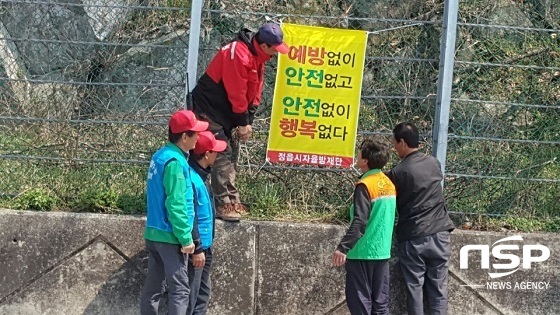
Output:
[[156, 216], [203, 209]]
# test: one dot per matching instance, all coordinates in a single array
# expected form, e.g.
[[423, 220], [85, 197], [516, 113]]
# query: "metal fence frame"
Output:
[[443, 98]]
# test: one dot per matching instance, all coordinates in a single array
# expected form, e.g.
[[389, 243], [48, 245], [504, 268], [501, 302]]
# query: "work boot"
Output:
[[227, 212], [241, 209]]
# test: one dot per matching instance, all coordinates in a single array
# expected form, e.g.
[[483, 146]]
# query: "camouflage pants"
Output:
[[223, 170]]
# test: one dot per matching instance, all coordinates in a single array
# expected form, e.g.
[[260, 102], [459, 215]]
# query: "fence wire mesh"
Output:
[[87, 87], [504, 137]]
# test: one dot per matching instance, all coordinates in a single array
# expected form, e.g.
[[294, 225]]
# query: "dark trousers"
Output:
[[223, 170], [199, 280], [367, 286], [165, 261], [424, 263]]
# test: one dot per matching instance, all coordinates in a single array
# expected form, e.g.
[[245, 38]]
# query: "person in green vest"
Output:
[[365, 249]]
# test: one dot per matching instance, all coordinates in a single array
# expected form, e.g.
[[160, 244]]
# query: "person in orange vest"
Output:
[[365, 249]]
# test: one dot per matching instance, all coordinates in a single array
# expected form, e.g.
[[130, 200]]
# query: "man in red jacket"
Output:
[[227, 96]]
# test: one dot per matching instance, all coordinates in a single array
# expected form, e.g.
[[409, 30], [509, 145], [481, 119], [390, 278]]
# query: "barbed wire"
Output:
[[505, 103], [311, 16], [70, 160], [117, 84], [504, 65], [540, 180], [510, 27], [99, 116], [91, 43], [83, 121], [90, 5], [479, 138]]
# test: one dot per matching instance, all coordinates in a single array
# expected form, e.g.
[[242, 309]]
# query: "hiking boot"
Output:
[[241, 209], [227, 212]]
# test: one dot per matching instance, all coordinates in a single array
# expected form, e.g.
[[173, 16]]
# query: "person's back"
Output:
[[424, 226], [420, 200]]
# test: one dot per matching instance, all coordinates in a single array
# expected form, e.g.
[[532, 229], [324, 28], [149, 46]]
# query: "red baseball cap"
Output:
[[207, 142], [185, 120], [271, 34]]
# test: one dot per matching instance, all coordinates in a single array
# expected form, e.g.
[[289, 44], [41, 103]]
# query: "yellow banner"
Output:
[[317, 96]]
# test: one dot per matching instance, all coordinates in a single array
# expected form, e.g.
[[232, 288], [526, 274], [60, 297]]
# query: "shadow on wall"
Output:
[[121, 292]]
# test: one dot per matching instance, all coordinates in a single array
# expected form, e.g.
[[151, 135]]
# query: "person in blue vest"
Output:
[[202, 158], [170, 215], [366, 246]]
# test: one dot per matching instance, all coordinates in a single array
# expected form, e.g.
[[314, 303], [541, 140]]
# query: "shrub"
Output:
[[35, 199]]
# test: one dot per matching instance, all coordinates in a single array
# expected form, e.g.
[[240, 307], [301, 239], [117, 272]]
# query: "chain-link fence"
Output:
[[504, 133], [87, 88]]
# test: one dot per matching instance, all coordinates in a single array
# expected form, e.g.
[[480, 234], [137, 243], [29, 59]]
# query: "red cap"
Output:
[[282, 48], [207, 142], [185, 120]]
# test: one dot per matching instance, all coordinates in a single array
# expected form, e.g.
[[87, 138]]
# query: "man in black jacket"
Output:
[[424, 226]]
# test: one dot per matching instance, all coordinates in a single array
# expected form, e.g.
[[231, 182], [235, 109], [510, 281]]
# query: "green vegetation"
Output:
[[519, 224], [503, 150], [88, 188], [35, 199]]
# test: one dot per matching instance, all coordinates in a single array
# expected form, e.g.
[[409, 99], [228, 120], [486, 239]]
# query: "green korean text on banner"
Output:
[[317, 97]]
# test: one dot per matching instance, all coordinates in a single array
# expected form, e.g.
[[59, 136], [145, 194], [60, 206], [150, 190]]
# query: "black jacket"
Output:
[[420, 201]]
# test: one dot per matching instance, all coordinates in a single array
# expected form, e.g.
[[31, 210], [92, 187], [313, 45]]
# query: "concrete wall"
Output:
[[63, 263]]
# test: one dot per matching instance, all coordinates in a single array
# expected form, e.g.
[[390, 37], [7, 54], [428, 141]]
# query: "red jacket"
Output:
[[231, 88]]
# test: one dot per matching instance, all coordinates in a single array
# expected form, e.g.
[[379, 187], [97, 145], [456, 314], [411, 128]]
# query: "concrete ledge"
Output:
[[66, 263]]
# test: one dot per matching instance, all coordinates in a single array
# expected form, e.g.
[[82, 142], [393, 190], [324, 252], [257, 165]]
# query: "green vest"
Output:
[[378, 238]]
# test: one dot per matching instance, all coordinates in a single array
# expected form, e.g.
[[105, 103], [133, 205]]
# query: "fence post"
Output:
[[445, 81], [194, 43]]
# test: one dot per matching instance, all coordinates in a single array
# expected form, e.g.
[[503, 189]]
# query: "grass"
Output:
[[276, 193], [93, 188], [518, 224], [269, 206], [72, 184]]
